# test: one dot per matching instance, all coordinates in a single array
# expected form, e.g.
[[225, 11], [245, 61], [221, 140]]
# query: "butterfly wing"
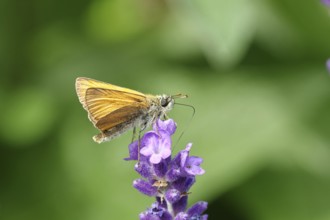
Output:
[[109, 105], [122, 115]]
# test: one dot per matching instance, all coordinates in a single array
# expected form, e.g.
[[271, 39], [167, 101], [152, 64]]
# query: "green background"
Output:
[[254, 71]]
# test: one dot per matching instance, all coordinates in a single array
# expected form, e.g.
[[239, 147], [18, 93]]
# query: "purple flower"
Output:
[[188, 165], [194, 212], [172, 195], [133, 151], [168, 126], [156, 146], [326, 2], [191, 165], [156, 212], [183, 184], [145, 187], [328, 61], [197, 209], [167, 179]]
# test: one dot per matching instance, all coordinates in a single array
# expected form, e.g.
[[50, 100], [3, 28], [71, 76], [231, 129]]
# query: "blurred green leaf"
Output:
[[113, 21], [284, 194], [223, 29], [28, 116], [293, 31], [102, 179]]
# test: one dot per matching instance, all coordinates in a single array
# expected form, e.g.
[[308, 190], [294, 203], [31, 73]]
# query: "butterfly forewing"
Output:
[[102, 102], [109, 105], [83, 84]]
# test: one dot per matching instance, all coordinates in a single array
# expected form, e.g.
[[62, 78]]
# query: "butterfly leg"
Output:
[[157, 130], [142, 128], [139, 145], [134, 134]]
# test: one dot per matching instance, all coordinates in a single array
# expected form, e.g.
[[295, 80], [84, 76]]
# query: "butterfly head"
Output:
[[166, 102]]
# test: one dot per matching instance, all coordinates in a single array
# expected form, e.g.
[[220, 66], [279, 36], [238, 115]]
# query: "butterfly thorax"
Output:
[[159, 105]]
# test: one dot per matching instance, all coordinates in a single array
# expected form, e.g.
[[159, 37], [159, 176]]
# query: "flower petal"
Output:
[[165, 152], [193, 160], [326, 2], [148, 143], [148, 216], [164, 140], [168, 126], [328, 61], [181, 216], [133, 151], [184, 155], [144, 169], [155, 158], [180, 205], [156, 212], [173, 174], [145, 187], [195, 170], [188, 146], [197, 209], [160, 169], [172, 195], [183, 184], [192, 166]]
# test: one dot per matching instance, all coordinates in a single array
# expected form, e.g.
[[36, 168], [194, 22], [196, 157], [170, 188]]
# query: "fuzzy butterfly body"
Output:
[[113, 110]]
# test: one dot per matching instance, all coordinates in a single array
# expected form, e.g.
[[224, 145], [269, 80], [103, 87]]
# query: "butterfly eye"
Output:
[[164, 102]]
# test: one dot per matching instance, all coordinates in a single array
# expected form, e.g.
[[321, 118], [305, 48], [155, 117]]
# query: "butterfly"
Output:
[[113, 110]]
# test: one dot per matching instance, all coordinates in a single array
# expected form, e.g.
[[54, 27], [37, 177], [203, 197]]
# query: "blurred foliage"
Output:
[[254, 70]]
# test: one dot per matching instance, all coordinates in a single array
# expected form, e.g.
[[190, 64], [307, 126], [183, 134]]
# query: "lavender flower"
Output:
[[326, 2], [166, 179], [328, 61]]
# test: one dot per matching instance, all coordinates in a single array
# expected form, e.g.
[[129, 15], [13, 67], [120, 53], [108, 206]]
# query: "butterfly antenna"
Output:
[[192, 116]]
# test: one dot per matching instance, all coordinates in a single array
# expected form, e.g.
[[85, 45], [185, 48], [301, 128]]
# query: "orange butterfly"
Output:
[[114, 110]]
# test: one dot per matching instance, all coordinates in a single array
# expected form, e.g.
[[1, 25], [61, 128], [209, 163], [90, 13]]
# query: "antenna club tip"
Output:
[[180, 96]]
